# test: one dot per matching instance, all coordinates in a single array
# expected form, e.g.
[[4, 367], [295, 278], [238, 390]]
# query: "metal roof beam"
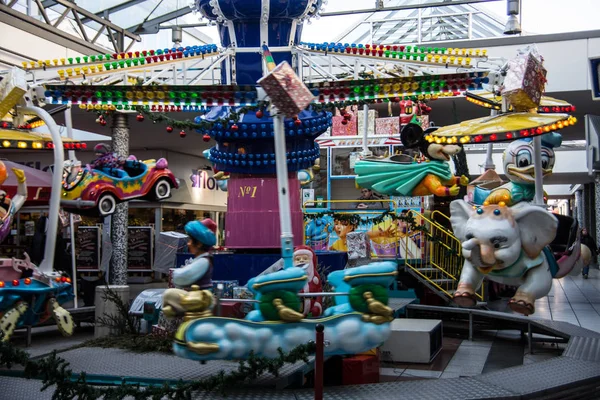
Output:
[[152, 26], [405, 7], [95, 18], [79, 15], [46, 31], [111, 10]]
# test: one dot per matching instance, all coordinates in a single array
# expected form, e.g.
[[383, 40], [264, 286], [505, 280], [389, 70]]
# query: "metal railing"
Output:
[[437, 258]]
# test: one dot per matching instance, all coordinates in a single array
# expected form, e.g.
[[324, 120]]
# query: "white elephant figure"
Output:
[[508, 245]]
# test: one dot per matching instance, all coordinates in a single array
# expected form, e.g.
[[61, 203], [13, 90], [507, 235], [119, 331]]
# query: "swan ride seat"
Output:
[[564, 249]]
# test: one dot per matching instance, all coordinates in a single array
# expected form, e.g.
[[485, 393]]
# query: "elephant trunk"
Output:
[[487, 254]]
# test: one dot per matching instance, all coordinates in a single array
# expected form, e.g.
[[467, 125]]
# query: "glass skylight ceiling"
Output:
[[450, 21]]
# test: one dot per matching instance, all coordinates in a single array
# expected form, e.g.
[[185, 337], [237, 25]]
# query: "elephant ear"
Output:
[[537, 228], [460, 212]]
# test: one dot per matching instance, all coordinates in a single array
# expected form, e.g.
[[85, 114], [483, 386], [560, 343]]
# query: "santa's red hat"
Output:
[[302, 249]]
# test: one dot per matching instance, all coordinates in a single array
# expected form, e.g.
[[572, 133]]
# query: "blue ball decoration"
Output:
[[497, 212], [480, 211]]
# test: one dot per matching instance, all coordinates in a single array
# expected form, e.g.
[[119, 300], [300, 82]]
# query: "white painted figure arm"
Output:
[[191, 273], [19, 199]]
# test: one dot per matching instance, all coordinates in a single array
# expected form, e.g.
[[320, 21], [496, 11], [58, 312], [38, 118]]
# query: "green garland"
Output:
[[54, 372], [235, 116], [356, 220]]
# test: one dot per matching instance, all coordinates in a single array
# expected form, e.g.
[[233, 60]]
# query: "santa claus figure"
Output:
[[304, 257]]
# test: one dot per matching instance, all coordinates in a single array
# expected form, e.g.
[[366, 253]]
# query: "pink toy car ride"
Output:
[[98, 190]]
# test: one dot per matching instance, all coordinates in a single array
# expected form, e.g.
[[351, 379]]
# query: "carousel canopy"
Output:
[[23, 139], [39, 184], [494, 101], [501, 128]]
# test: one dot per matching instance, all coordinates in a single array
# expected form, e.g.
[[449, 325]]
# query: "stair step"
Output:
[[427, 269], [442, 281]]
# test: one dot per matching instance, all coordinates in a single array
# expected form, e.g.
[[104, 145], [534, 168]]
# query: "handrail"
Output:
[[304, 209], [444, 267]]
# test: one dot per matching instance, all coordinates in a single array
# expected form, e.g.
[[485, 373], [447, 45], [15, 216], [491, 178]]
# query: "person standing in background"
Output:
[[590, 242], [368, 194]]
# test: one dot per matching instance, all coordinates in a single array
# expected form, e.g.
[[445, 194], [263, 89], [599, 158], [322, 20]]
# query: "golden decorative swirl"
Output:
[[202, 348], [259, 285], [285, 313], [350, 277], [377, 307]]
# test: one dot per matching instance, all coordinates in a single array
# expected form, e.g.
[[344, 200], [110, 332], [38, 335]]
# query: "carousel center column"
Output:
[[120, 220], [117, 277]]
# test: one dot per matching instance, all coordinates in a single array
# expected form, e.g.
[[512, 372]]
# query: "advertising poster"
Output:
[[87, 246], [387, 239], [140, 247]]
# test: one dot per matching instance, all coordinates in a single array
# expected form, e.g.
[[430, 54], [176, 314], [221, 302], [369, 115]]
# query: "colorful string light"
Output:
[[189, 98], [502, 136], [137, 57], [435, 55]]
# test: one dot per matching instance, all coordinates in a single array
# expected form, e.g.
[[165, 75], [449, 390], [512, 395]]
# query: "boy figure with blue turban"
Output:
[[196, 276]]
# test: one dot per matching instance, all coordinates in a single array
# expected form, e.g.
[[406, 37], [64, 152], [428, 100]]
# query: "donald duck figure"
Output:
[[194, 280], [519, 169]]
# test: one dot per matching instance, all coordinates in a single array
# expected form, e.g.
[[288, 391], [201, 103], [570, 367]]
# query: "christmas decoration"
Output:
[[182, 134], [54, 373], [140, 117], [525, 81], [169, 129], [206, 138]]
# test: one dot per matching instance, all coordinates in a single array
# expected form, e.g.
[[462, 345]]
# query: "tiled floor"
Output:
[[572, 299], [575, 300]]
